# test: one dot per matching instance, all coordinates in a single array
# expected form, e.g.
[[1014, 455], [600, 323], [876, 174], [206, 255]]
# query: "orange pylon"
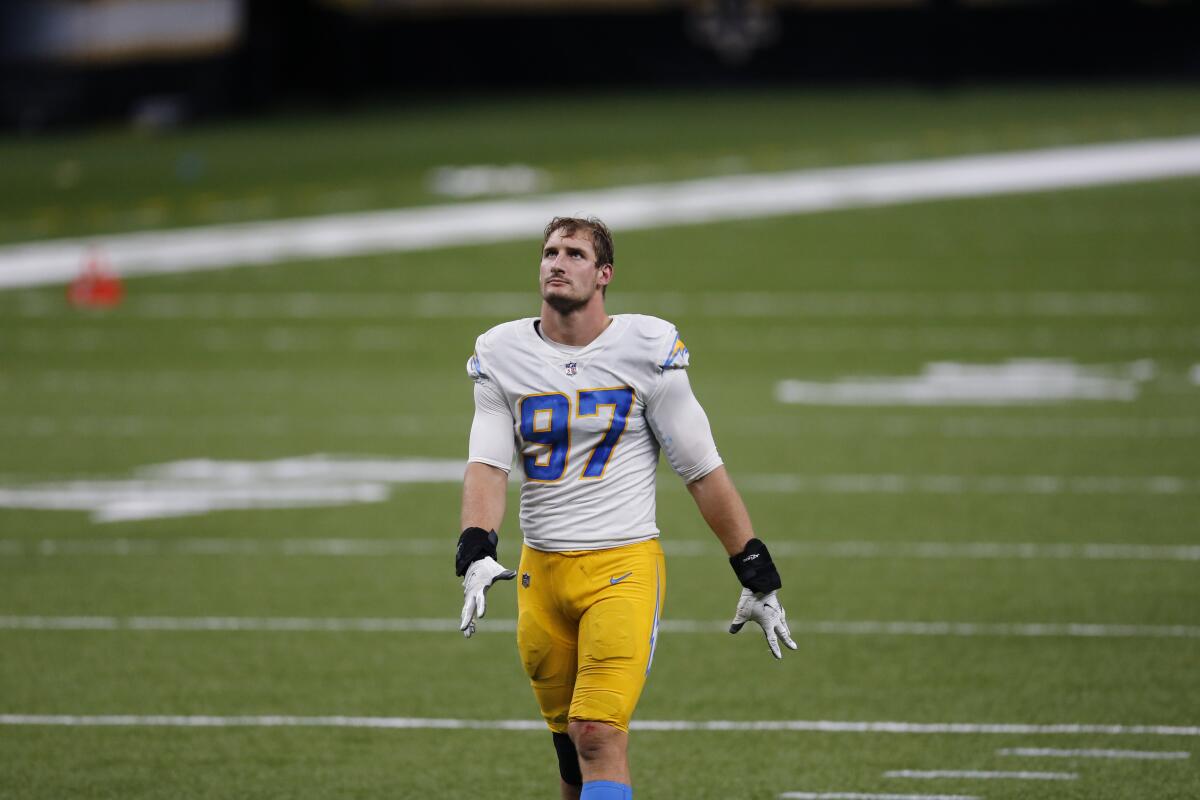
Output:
[[97, 285]]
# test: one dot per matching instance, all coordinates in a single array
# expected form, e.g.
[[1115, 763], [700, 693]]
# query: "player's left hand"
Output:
[[479, 578], [766, 610]]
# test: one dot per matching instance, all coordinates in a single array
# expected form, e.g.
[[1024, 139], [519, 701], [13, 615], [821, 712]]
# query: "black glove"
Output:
[[755, 569], [474, 544]]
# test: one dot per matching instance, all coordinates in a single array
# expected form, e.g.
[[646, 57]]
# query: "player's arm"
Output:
[[723, 509], [682, 429], [484, 493]]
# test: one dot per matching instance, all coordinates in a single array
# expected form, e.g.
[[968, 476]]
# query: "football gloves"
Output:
[[475, 561], [766, 610], [758, 602]]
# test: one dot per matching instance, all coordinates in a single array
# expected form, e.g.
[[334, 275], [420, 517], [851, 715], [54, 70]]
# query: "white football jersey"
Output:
[[586, 427]]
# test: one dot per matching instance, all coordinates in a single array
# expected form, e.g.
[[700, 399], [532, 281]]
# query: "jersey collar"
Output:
[[606, 337]]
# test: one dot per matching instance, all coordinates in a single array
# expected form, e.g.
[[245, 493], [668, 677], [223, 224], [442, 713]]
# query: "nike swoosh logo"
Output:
[[618, 580]]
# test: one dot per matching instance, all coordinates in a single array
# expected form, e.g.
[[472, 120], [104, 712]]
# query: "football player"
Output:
[[586, 400]]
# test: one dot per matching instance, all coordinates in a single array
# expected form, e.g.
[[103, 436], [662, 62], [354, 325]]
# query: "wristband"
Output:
[[474, 544], [755, 569]]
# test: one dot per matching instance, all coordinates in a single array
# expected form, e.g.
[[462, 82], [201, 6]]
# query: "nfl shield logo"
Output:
[[570, 367], [525, 579]]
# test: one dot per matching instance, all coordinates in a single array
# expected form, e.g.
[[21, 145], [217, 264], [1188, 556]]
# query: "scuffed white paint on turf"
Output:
[[425, 723], [1014, 382], [625, 208], [863, 796], [681, 626], [1136, 755], [836, 548], [980, 775], [198, 486]]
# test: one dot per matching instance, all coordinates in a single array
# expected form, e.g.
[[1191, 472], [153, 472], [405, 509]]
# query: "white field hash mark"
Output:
[[1138, 755], [736, 197], [679, 626], [968, 774], [836, 548], [426, 723]]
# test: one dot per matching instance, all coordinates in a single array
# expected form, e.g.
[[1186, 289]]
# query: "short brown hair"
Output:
[[599, 233]]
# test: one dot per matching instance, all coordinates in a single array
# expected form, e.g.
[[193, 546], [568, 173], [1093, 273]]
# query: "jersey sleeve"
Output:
[[491, 441], [675, 355], [681, 426]]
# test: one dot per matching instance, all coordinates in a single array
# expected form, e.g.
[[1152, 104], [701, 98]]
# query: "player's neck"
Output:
[[576, 328]]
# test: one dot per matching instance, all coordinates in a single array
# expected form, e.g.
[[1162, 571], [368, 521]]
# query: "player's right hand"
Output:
[[479, 578], [767, 611]]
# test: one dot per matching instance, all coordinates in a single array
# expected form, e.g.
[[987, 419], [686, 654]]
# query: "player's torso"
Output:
[[583, 440]]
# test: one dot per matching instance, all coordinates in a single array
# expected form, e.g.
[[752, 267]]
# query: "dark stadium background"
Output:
[[338, 54]]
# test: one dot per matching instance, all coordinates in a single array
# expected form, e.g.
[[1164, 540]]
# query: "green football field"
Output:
[[1006, 592]]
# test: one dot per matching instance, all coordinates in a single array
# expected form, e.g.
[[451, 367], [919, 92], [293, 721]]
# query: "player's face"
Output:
[[569, 277]]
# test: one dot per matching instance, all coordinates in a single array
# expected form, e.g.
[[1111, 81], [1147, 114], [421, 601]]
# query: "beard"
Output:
[[564, 305]]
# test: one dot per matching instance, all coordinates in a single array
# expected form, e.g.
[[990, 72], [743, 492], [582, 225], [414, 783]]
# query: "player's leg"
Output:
[[603, 756], [546, 641], [618, 631]]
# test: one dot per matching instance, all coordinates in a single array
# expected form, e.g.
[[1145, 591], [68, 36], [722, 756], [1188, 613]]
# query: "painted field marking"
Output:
[[200, 486], [968, 774], [399, 306], [735, 197], [425, 723], [866, 796], [983, 340], [890, 425], [1026, 381], [971, 484], [1035, 339], [1049, 752], [680, 626], [835, 548]]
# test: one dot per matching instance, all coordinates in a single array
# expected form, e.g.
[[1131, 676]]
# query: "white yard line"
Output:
[[680, 626], [890, 425], [981, 341], [834, 548], [1137, 755], [971, 484], [859, 795], [863, 796], [201, 486], [424, 723], [625, 208], [983, 775], [400, 307]]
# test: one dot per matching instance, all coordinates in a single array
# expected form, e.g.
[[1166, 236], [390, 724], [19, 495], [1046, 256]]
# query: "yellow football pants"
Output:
[[587, 627]]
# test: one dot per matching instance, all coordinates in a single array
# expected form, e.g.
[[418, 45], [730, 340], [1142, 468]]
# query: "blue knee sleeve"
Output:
[[606, 790]]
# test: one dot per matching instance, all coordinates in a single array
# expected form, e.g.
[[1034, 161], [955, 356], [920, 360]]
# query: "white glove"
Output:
[[766, 610], [479, 578]]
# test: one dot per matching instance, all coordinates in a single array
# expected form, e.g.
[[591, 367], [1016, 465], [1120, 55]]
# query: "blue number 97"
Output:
[[545, 420]]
